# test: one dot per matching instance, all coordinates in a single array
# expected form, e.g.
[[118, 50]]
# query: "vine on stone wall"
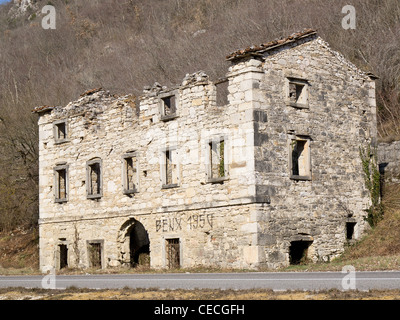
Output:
[[372, 180]]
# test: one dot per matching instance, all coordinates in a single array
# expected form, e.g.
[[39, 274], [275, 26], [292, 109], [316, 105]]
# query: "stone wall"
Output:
[[389, 159], [340, 116]]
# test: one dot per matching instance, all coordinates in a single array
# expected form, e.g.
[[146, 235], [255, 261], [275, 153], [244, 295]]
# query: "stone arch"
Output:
[[133, 240]]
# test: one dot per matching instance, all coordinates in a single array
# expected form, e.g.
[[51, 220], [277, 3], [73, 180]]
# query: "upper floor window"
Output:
[[169, 168], [60, 130], [217, 165], [94, 181], [168, 105], [130, 173], [300, 158], [297, 93], [61, 183]]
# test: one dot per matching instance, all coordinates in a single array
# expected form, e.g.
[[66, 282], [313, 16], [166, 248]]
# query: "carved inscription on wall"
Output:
[[190, 221]]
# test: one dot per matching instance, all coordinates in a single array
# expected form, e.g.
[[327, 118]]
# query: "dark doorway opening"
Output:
[[298, 252], [350, 230], [63, 256], [173, 253], [139, 245]]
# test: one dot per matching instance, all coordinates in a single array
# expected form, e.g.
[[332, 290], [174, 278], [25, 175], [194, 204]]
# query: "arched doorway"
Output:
[[139, 245], [134, 244]]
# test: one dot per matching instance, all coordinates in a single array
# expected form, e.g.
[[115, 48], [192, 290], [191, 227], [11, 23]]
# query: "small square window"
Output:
[[300, 158], [297, 93], [94, 179], [61, 183], [60, 131], [130, 172], [168, 106]]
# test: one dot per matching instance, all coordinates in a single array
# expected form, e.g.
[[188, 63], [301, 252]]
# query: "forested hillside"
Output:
[[123, 46]]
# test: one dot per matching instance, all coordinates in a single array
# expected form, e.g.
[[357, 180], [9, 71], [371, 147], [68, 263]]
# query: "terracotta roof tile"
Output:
[[42, 109], [258, 49]]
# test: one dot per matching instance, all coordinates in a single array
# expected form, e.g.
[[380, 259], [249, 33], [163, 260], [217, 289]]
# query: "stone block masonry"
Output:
[[266, 177]]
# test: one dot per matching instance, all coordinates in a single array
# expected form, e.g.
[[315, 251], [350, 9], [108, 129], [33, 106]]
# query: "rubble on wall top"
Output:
[[90, 92], [193, 78], [156, 88], [256, 49], [189, 79]]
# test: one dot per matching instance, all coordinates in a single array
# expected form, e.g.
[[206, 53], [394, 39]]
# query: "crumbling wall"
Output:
[[389, 161]]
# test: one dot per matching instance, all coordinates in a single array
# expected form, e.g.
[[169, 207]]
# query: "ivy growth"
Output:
[[372, 180]]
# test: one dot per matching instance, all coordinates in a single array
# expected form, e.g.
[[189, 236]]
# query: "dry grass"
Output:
[[154, 294], [19, 251], [384, 239]]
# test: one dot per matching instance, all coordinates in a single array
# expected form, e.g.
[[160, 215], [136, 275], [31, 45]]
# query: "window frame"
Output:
[[209, 175], [162, 98], [56, 131], [89, 192], [102, 256], [56, 171], [307, 140], [126, 190], [297, 82], [163, 168]]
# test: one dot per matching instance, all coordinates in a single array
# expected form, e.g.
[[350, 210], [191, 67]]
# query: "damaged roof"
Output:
[[42, 109], [258, 49]]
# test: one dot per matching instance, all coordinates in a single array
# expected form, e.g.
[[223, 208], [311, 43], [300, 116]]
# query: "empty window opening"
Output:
[[60, 131], [139, 246], [217, 159], [173, 253], [298, 252], [95, 255], [222, 92], [130, 174], [300, 159], [350, 230], [169, 168], [63, 249], [169, 106], [94, 186], [298, 93], [61, 184]]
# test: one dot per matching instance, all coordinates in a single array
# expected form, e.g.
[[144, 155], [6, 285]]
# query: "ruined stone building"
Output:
[[259, 169]]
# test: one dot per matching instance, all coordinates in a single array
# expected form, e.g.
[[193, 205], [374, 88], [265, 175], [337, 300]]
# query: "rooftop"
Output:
[[258, 49]]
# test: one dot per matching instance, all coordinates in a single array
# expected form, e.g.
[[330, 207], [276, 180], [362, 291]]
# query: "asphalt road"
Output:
[[253, 280]]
